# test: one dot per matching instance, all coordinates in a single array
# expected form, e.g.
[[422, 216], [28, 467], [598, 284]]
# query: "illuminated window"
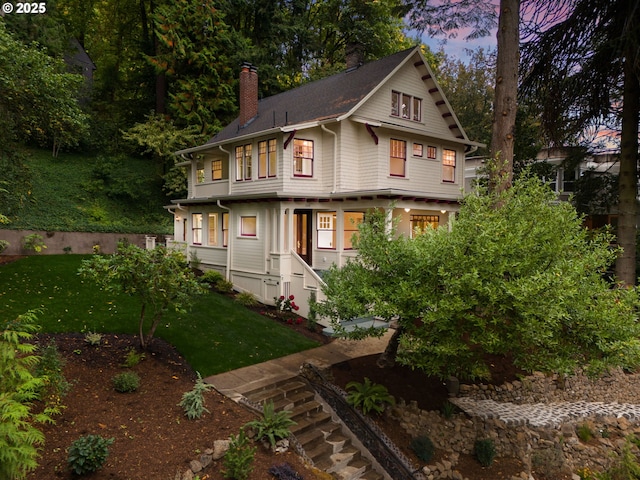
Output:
[[212, 225], [225, 229], [448, 165], [417, 149], [302, 158], [243, 162], [431, 152], [351, 222], [267, 158], [216, 170], [248, 226], [398, 157], [419, 223], [196, 228]]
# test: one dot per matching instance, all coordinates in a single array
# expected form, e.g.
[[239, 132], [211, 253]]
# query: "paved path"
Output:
[[545, 415], [234, 383]]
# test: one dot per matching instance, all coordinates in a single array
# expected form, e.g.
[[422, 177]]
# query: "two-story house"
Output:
[[276, 196]]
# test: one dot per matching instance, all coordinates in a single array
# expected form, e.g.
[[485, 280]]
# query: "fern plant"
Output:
[[273, 426], [369, 396], [193, 401]]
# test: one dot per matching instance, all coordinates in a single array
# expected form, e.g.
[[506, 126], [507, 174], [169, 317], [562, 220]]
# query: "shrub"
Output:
[[247, 299], [4, 244], [93, 338], [284, 471], [132, 358], [286, 304], [548, 462], [193, 401], [584, 432], [211, 277], [50, 366], [485, 451], [126, 382], [88, 454], [239, 458], [448, 409], [369, 396], [423, 447], [33, 242], [273, 426], [224, 286]]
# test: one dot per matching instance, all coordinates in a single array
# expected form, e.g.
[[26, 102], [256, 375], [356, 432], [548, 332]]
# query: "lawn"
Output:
[[217, 335]]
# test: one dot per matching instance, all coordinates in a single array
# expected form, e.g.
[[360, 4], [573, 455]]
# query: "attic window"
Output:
[[406, 106]]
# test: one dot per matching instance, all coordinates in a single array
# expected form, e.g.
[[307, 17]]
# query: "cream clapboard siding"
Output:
[[248, 253]]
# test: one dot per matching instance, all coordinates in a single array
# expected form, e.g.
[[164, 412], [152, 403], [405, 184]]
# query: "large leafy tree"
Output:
[[523, 280], [160, 278], [584, 70]]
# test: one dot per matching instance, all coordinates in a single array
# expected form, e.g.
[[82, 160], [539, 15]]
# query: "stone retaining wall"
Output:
[[543, 451], [79, 242]]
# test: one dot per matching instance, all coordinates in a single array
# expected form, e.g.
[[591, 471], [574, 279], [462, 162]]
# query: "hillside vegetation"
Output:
[[89, 193]]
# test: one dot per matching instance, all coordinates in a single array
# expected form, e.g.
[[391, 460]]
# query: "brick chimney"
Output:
[[248, 93], [354, 53]]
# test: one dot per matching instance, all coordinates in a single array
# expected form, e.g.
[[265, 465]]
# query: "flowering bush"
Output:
[[286, 304]]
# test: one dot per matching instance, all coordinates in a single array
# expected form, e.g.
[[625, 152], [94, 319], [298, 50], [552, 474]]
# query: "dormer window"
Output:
[[406, 106]]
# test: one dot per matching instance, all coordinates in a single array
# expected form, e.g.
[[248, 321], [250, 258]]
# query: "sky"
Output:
[[458, 47]]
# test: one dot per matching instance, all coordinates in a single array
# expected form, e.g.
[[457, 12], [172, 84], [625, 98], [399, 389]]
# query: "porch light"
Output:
[[443, 211], [407, 210]]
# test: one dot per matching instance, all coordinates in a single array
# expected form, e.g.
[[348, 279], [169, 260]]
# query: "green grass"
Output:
[[217, 335]]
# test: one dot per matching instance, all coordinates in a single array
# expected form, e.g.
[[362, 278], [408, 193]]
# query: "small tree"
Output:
[[20, 439], [517, 275], [160, 278]]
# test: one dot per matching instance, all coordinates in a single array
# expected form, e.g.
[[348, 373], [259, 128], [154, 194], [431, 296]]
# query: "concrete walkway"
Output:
[[235, 383]]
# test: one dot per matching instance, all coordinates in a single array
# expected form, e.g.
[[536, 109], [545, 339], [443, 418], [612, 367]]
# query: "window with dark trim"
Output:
[[419, 223], [216, 169], [302, 158], [448, 165], [432, 152], [212, 228], [351, 222], [243, 162], [200, 171], [417, 149], [406, 106], [397, 158], [267, 158], [225, 229], [248, 226]]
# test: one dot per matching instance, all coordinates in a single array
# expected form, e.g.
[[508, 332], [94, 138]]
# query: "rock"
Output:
[[220, 447], [188, 475], [206, 459], [195, 466]]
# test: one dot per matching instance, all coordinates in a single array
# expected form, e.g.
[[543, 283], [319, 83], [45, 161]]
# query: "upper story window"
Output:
[[267, 162], [199, 171], [196, 228], [397, 158], [417, 150], [406, 106], [448, 165], [243, 162], [216, 169], [302, 158]]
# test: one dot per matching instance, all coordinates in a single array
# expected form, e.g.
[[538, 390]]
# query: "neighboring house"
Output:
[[276, 197], [78, 61], [563, 175]]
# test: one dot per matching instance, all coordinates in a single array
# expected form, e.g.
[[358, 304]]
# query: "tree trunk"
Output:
[[143, 344], [628, 179], [506, 92], [388, 357]]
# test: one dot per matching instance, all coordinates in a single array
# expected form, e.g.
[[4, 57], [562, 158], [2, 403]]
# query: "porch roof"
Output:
[[362, 195]]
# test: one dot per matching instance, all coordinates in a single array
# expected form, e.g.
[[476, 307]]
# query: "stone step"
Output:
[[307, 409], [317, 420], [263, 392], [269, 383], [355, 470]]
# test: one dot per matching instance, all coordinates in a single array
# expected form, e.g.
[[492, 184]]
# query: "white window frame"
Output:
[[196, 228], [326, 230], [212, 229]]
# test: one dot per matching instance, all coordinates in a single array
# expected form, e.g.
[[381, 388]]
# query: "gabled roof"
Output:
[[331, 98]]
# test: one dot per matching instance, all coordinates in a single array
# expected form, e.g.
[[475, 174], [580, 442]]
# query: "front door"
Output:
[[302, 234]]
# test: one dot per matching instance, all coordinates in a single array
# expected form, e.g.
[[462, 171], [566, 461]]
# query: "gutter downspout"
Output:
[[335, 156], [228, 267]]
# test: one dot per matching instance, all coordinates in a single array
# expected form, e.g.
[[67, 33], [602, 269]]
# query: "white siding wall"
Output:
[[248, 253]]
